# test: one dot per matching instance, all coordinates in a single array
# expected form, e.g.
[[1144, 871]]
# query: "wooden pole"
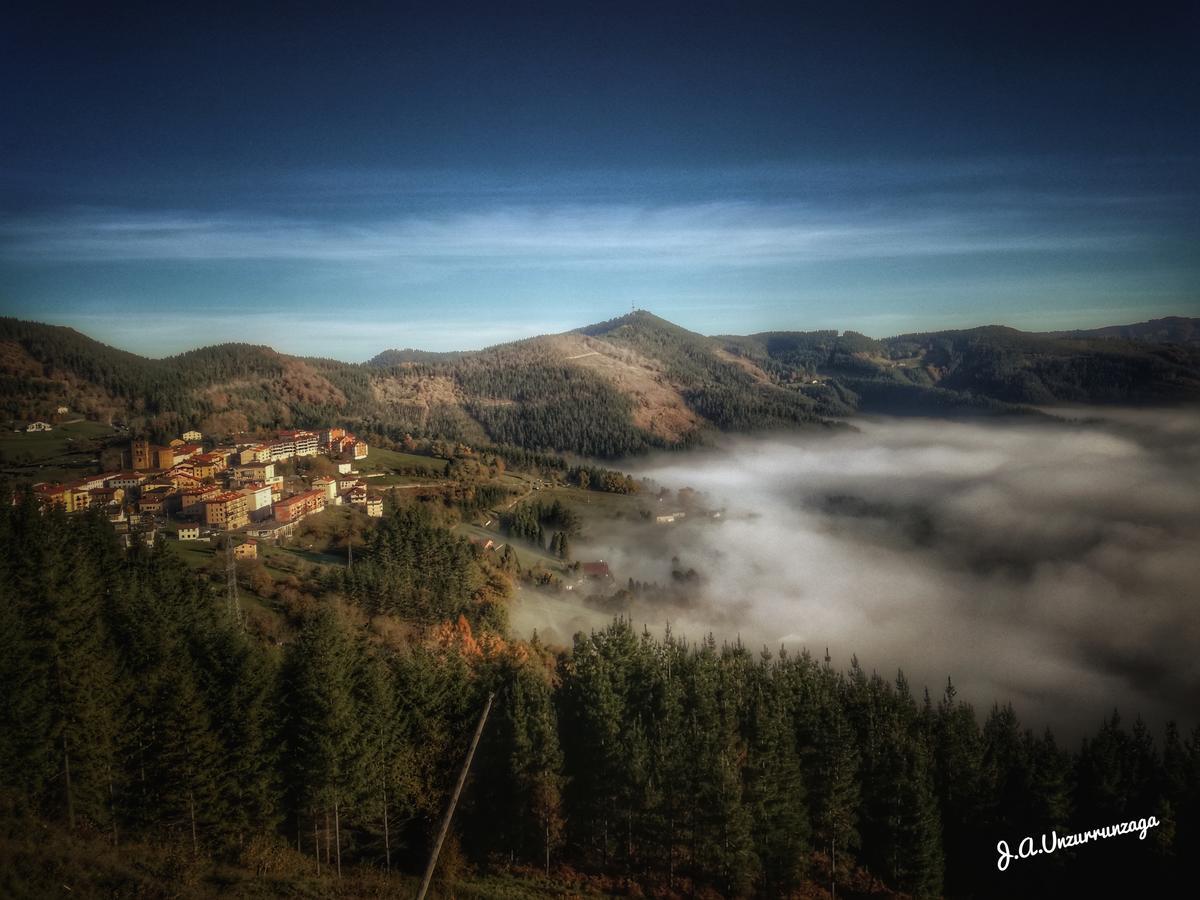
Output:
[[112, 799], [337, 831], [387, 844], [192, 814], [445, 826], [67, 774]]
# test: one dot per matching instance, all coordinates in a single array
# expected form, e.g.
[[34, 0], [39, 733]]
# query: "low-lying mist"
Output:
[[1053, 565]]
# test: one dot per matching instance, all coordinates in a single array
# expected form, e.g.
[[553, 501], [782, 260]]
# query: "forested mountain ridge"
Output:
[[624, 386], [989, 367], [1168, 330]]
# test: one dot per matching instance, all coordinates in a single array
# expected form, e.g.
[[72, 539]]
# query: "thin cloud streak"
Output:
[[711, 235]]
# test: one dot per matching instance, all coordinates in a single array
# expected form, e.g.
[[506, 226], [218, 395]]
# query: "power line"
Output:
[[233, 604]]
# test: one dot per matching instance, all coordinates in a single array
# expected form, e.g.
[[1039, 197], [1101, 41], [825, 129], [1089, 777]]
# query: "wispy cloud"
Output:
[[737, 234]]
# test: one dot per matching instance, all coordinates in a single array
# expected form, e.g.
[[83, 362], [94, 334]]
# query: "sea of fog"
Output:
[[1052, 564]]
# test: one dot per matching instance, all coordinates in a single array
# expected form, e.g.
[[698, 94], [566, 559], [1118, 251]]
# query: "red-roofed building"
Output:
[[246, 550], [595, 569], [226, 511], [329, 435], [50, 494], [193, 499], [304, 442], [126, 480], [298, 506], [207, 465], [247, 473], [114, 496], [255, 453], [158, 499]]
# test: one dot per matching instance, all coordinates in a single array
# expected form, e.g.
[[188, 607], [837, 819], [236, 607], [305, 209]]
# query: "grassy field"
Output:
[[69, 451], [595, 507], [284, 557], [195, 554], [379, 460], [391, 479], [526, 552]]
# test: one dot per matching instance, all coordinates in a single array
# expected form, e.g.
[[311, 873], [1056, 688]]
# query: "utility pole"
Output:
[[233, 604], [387, 843], [445, 826]]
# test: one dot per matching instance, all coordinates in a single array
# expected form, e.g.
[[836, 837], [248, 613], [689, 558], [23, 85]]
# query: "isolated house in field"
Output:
[[39, 426], [597, 569], [189, 533], [247, 550]]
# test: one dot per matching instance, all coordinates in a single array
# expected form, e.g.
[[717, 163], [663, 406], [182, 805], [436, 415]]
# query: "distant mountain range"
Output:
[[630, 384]]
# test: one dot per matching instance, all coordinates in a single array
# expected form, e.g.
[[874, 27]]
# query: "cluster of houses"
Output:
[[336, 443], [42, 426], [231, 488]]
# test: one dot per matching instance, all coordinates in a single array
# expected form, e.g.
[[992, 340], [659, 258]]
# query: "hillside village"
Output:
[[233, 488]]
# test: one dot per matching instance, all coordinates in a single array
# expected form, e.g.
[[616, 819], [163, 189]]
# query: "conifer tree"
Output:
[[72, 656], [239, 684], [775, 792], [957, 756], [322, 730], [184, 761]]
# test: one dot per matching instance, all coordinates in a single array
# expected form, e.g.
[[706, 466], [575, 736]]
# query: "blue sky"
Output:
[[339, 183]]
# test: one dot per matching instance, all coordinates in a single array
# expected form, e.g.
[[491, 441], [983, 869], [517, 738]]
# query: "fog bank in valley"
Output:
[[1053, 565]]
